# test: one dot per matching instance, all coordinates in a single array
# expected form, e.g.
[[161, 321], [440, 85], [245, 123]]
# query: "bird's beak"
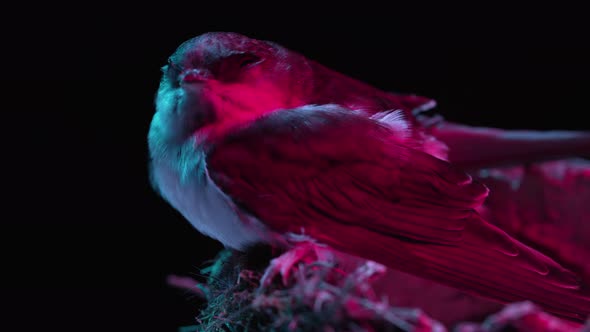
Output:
[[193, 76]]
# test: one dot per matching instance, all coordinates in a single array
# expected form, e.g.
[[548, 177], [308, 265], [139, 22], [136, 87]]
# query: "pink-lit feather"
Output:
[[373, 198], [251, 141]]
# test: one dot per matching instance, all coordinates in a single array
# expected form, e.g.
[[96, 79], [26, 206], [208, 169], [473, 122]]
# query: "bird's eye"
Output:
[[241, 61], [231, 68], [247, 60]]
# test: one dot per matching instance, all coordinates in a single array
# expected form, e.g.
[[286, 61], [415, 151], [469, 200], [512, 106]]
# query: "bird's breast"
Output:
[[202, 203]]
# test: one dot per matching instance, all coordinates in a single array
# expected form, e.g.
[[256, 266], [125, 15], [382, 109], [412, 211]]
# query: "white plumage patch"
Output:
[[395, 120], [207, 208]]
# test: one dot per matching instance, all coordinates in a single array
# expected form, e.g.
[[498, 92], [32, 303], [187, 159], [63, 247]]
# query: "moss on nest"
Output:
[[318, 296]]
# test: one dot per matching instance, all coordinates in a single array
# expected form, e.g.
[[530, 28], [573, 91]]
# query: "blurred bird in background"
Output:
[[253, 143]]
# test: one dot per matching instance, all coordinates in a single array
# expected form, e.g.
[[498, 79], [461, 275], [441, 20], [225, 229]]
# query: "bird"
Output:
[[254, 143]]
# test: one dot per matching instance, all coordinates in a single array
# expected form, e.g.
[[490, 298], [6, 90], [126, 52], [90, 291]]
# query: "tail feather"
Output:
[[473, 147], [472, 267]]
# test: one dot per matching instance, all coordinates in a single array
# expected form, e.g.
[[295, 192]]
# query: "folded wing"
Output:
[[342, 179]]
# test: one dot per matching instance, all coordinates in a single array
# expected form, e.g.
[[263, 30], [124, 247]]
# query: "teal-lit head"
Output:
[[217, 81]]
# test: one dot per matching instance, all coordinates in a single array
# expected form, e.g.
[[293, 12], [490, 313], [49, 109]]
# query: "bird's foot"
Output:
[[304, 251]]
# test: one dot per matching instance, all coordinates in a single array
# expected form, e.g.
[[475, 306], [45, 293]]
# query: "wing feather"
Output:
[[335, 174]]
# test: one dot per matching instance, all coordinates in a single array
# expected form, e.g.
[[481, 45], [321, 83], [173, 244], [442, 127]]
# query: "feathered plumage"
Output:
[[251, 142]]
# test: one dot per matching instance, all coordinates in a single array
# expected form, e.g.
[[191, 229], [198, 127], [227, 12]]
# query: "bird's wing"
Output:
[[342, 179], [546, 205]]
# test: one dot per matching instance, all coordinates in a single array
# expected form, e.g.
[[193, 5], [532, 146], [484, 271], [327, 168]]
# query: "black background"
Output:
[[87, 244]]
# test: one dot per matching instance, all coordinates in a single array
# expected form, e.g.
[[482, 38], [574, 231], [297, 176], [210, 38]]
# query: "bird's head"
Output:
[[217, 81]]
